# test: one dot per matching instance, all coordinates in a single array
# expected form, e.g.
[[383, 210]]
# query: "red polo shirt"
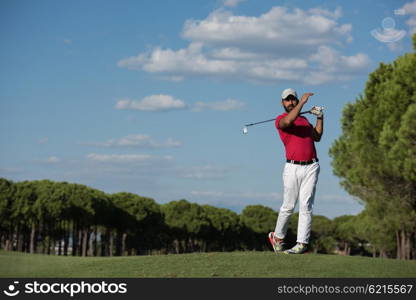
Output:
[[297, 138]]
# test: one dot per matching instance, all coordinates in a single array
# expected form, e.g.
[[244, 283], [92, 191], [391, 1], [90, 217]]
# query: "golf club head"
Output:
[[245, 130]]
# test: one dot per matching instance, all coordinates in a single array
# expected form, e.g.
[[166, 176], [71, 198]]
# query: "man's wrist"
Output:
[[320, 118]]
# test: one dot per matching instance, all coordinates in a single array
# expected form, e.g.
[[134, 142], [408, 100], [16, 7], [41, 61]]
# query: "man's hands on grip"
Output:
[[317, 111]]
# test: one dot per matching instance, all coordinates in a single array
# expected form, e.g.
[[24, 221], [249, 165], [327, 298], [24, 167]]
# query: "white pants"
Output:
[[299, 182]]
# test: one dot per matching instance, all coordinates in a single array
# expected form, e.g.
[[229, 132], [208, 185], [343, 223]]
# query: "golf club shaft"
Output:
[[260, 122], [305, 112]]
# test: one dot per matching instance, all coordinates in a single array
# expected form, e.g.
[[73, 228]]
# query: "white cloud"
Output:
[[332, 60], [232, 3], [67, 41], [190, 60], [52, 160], [167, 102], [126, 158], [330, 64], [138, 141], [337, 13], [151, 103], [43, 140], [281, 44], [227, 105], [203, 172], [276, 30], [236, 54], [410, 9]]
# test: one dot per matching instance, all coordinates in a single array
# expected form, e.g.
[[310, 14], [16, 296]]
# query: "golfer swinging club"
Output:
[[301, 170]]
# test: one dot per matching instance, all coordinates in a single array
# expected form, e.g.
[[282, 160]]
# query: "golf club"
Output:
[[245, 129]]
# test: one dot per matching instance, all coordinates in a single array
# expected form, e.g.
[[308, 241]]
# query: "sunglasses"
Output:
[[290, 99]]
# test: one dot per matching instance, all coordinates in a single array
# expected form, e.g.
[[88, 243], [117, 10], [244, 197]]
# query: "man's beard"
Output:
[[289, 108]]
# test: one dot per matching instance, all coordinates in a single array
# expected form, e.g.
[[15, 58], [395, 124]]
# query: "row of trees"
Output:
[[71, 219], [376, 155]]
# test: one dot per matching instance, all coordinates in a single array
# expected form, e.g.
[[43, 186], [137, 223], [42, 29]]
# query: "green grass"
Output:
[[229, 264]]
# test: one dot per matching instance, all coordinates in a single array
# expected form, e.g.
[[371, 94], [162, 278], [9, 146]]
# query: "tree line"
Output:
[[62, 218]]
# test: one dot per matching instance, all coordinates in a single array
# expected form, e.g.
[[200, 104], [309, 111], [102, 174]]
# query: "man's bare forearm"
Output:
[[319, 129], [291, 116]]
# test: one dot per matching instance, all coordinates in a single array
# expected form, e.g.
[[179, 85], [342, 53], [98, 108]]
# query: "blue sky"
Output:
[[150, 97]]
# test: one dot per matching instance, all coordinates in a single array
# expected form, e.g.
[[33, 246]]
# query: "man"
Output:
[[301, 170]]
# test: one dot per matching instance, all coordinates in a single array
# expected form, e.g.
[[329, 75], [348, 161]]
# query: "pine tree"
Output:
[[375, 156]]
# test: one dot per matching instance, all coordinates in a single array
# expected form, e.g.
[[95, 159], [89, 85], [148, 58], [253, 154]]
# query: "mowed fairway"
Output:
[[229, 264]]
